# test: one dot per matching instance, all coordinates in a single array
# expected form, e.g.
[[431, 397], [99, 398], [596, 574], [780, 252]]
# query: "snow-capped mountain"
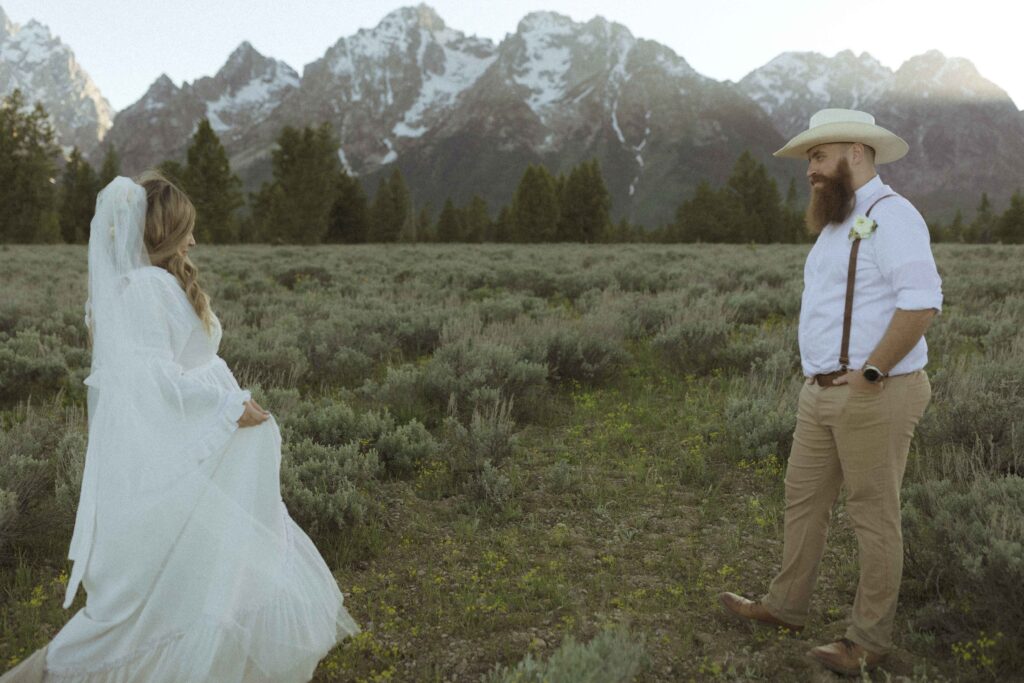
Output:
[[240, 97], [797, 82], [460, 115], [966, 135], [385, 87], [560, 92], [245, 91], [45, 70]]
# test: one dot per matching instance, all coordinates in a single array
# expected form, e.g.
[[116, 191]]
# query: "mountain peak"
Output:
[[934, 74], [545, 22], [161, 86], [244, 49], [421, 16], [244, 59]]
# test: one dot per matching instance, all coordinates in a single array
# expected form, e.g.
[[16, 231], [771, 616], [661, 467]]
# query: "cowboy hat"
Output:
[[846, 125]]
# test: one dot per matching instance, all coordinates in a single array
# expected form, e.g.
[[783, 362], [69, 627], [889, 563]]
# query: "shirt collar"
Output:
[[868, 189]]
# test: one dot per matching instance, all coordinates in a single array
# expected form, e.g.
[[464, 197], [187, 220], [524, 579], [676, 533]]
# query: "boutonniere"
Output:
[[862, 229]]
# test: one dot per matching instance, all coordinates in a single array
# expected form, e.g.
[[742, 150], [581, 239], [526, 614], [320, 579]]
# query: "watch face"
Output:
[[872, 375]]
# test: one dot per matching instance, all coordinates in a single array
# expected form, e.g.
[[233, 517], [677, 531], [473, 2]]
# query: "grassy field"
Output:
[[542, 462]]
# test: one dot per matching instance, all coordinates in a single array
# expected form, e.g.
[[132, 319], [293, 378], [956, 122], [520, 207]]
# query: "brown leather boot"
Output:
[[845, 657], [754, 611]]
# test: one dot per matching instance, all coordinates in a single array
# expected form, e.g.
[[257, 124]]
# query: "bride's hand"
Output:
[[253, 415]]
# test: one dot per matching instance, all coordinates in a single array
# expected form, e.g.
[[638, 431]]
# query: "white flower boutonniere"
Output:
[[863, 228]]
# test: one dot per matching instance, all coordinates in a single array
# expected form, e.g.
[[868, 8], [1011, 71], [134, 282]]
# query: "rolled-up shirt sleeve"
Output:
[[904, 255]]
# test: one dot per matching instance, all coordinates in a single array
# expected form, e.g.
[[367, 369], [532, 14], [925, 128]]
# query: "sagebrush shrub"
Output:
[[613, 656], [329, 489], [965, 546], [42, 454]]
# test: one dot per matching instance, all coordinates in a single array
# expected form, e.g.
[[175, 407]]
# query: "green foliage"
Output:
[[760, 420], [78, 189], [707, 217], [1009, 228], [504, 228], [694, 346], [476, 453], [212, 187], [476, 220], [613, 656], [329, 489], [758, 196], [984, 222], [349, 220], [747, 209], [173, 171], [296, 206], [31, 365], [589, 351], [535, 209], [392, 212], [41, 458], [111, 167], [28, 172], [449, 227], [585, 205], [965, 558], [978, 404]]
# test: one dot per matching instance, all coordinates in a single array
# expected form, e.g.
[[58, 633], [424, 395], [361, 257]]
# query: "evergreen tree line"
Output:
[[987, 226], [311, 199]]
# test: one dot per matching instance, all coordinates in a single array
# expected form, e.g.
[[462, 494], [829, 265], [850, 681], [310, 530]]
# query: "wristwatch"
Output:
[[872, 374]]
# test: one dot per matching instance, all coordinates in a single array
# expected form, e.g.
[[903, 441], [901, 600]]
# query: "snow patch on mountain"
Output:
[[255, 98], [546, 58], [458, 70], [45, 70]]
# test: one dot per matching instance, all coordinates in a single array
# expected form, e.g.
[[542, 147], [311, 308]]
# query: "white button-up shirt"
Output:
[[895, 269]]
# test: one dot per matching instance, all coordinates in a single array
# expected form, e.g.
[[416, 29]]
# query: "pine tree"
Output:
[[213, 188], [1010, 226], [79, 186], [173, 171], [955, 232], [703, 218], [504, 230], [295, 207], [535, 207], [349, 220], [476, 219], [28, 172], [793, 218], [758, 197], [424, 226], [448, 223], [984, 221], [392, 209], [585, 205], [111, 167]]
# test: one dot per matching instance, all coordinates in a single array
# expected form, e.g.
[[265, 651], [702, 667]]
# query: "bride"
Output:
[[192, 567]]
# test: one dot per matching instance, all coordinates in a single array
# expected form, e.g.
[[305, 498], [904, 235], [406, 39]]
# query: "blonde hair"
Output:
[[170, 218]]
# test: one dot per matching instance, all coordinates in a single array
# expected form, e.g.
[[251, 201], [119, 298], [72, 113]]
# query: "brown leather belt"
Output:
[[828, 379]]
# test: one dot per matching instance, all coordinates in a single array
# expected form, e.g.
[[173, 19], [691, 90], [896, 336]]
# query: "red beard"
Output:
[[832, 201]]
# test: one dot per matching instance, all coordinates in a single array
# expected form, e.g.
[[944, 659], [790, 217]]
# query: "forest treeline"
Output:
[[311, 199]]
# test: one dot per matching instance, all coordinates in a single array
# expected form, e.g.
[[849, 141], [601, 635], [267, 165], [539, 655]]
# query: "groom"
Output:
[[870, 291]]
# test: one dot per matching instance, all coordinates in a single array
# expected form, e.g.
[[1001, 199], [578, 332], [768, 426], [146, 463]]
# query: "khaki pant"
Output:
[[859, 439]]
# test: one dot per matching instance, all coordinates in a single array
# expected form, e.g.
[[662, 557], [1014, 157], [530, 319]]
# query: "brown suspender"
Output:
[[844, 353]]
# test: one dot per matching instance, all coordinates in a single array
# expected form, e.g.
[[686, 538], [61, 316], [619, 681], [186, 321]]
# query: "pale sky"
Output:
[[126, 44]]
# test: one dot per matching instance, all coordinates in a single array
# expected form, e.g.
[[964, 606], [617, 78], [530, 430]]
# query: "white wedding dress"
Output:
[[193, 569]]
